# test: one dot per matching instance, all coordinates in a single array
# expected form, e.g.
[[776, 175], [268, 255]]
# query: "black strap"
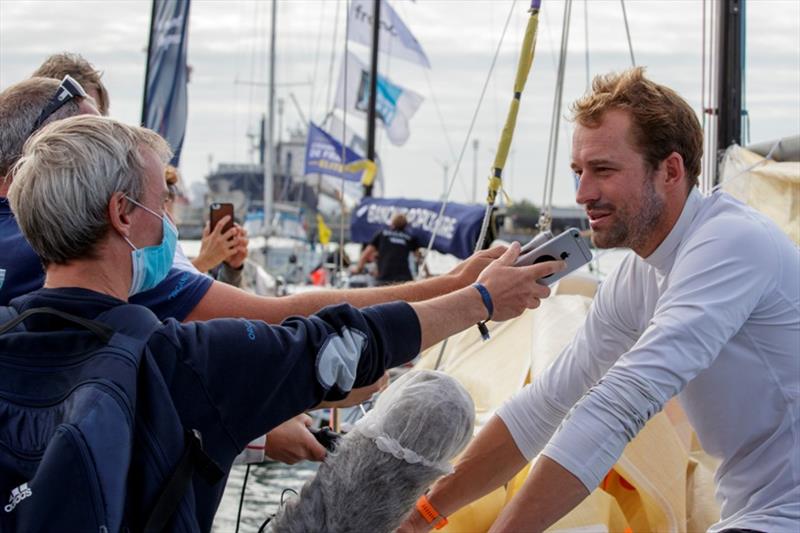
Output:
[[140, 322], [193, 459], [101, 330]]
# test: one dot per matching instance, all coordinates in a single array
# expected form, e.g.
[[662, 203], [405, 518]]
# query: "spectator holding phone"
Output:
[[223, 248]]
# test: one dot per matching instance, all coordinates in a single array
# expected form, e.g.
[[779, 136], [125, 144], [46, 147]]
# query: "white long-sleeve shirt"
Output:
[[713, 315]]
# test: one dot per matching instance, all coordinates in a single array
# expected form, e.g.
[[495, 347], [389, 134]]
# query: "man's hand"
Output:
[[215, 246], [467, 271], [413, 523], [360, 395], [513, 289], [292, 442], [238, 253]]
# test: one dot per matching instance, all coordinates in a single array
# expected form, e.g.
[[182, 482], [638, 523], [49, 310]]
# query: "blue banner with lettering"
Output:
[[324, 155], [456, 235], [165, 107]]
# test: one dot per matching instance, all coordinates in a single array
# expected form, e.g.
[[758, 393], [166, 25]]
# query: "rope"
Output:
[[703, 68], [627, 32], [545, 217], [241, 498], [316, 63], [328, 101], [709, 132], [340, 266], [743, 63], [445, 130], [523, 69], [466, 141]]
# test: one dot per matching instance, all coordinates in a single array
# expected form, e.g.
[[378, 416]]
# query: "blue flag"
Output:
[[165, 108], [456, 235], [324, 155]]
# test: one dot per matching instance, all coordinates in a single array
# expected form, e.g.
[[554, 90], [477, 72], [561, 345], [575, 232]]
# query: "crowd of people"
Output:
[[707, 306]]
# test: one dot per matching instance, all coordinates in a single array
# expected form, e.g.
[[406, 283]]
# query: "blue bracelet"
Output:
[[487, 302], [487, 299]]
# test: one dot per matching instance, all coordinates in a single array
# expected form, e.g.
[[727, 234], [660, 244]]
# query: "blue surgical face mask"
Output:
[[152, 263]]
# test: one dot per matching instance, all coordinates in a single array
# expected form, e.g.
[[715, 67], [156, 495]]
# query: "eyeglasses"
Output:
[[68, 90], [173, 191]]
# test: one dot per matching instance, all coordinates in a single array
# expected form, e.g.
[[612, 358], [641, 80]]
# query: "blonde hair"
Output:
[[59, 65], [66, 177], [663, 122]]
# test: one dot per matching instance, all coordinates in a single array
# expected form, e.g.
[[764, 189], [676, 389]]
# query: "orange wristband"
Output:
[[429, 513]]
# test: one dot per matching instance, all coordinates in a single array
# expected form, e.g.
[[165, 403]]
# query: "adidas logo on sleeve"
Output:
[[17, 495]]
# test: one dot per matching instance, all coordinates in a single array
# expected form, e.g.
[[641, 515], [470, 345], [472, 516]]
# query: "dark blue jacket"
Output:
[[235, 379]]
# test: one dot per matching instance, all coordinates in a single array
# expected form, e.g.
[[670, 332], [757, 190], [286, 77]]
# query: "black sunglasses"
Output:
[[68, 90]]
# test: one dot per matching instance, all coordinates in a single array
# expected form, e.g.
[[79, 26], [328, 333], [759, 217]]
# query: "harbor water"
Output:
[[265, 484]]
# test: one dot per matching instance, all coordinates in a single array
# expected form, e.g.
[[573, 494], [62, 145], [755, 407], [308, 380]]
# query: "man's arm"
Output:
[[366, 256], [304, 361], [357, 396], [490, 461], [224, 301], [292, 442], [549, 493], [512, 290]]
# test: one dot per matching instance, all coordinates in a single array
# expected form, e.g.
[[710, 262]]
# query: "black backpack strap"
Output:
[[103, 331], [7, 313], [132, 320], [140, 322], [194, 459]]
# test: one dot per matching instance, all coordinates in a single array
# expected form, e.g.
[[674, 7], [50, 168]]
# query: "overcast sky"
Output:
[[228, 41]]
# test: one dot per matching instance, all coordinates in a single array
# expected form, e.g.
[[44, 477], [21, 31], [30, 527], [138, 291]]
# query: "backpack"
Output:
[[89, 437]]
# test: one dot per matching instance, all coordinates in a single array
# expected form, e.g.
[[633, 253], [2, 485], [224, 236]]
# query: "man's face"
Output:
[[147, 228], [616, 187]]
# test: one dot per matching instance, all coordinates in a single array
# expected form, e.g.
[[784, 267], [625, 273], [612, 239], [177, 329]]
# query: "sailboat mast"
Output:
[[269, 156], [731, 58], [373, 87]]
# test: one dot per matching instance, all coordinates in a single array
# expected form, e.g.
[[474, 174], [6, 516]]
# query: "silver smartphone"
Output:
[[568, 246]]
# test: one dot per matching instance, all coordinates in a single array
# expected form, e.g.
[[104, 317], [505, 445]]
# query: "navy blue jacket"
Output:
[[235, 379]]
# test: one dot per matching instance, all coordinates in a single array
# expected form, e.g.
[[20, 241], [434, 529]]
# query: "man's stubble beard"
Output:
[[632, 230]]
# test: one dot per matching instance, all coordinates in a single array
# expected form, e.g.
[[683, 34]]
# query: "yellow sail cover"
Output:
[[772, 187]]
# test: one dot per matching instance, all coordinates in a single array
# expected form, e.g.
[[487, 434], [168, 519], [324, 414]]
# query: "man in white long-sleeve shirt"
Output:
[[708, 309]]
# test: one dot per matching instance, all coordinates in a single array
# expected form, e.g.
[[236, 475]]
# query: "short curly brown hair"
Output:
[[663, 122], [59, 65]]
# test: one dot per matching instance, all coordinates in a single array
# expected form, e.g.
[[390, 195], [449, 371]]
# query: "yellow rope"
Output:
[[523, 69]]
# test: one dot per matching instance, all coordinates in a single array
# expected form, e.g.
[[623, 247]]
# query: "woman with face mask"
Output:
[[223, 252]]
